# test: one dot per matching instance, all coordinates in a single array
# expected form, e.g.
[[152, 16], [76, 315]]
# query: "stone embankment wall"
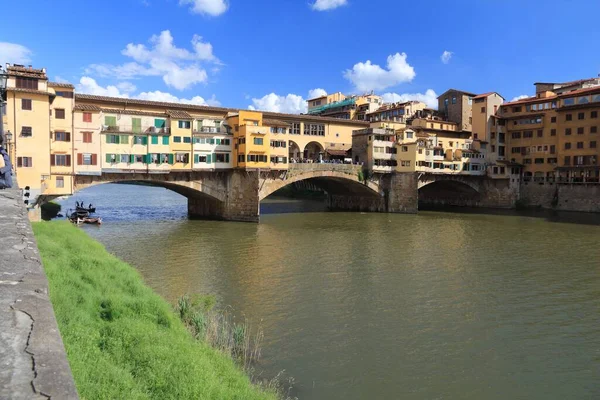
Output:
[[33, 362], [562, 197]]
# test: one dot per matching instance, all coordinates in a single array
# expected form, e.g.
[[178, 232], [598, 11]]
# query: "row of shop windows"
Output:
[[162, 158]]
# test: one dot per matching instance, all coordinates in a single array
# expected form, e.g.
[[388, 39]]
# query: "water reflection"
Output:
[[355, 306]]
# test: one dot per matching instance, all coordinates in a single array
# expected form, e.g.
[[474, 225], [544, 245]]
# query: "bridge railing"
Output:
[[308, 167]]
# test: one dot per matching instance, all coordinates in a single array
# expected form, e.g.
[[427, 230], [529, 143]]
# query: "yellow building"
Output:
[[555, 135], [27, 108]]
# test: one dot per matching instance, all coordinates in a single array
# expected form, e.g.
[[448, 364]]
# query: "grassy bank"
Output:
[[124, 341]]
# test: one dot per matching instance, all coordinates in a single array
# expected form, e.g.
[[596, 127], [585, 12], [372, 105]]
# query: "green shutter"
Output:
[[218, 141], [110, 121], [159, 123], [136, 125], [115, 139], [145, 141], [108, 158], [196, 158], [132, 158], [208, 158], [171, 159], [199, 125], [124, 139], [154, 139], [226, 158], [165, 140]]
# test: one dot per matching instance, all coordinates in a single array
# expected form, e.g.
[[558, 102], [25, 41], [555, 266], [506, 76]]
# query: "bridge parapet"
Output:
[[297, 168]]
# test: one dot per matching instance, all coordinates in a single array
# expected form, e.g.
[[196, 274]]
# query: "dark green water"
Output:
[[375, 306]]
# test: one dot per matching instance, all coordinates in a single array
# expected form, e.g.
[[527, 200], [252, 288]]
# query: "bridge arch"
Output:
[[449, 192], [344, 181], [185, 185], [312, 150], [295, 152]]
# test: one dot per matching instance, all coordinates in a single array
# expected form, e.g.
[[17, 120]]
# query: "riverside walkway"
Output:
[[33, 362]]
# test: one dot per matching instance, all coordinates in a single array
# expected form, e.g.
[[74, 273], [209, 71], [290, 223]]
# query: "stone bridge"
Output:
[[235, 195], [466, 190]]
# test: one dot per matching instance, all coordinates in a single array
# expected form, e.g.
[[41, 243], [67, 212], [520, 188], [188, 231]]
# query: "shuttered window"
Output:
[[165, 140], [59, 113], [87, 117], [154, 139], [159, 123], [87, 137], [24, 162], [26, 104], [110, 121], [123, 139], [87, 159], [136, 125]]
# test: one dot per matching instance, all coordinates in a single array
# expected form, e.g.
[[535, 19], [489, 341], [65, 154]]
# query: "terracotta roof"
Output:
[[571, 83], [86, 107], [193, 107], [179, 114], [580, 91], [528, 100], [133, 112], [479, 96], [61, 85], [123, 100], [19, 70], [305, 117], [337, 152], [274, 122], [32, 91], [459, 91]]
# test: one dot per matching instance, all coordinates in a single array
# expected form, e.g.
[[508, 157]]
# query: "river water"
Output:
[[376, 306]]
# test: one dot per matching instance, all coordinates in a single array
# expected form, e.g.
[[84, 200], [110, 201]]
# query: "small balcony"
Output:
[[135, 129], [207, 129]]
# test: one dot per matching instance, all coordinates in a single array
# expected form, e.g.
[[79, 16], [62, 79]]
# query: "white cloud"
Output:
[[429, 97], [214, 8], [521, 97], [446, 56], [157, 95], [179, 68], [367, 76], [14, 53], [324, 5], [318, 92], [126, 87], [90, 86], [290, 104], [60, 79]]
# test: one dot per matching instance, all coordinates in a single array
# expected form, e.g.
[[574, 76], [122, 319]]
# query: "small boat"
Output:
[[92, 221], [90, 210]]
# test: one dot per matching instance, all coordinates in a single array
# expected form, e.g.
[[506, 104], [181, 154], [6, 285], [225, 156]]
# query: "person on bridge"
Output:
[[5, 168]]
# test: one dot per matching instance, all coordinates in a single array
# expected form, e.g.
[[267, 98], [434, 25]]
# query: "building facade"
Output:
[[59, 134]]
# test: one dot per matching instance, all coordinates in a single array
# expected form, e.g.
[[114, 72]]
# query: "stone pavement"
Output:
[[33, 362]]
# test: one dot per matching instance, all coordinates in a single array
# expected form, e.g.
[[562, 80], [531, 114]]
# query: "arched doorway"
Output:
[[295, 153], [313, 151]]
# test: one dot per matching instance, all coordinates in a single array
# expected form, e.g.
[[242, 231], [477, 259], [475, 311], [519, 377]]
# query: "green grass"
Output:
[[124, 341]]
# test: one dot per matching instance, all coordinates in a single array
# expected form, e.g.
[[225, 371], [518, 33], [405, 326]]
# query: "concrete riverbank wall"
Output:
[[33, 361]]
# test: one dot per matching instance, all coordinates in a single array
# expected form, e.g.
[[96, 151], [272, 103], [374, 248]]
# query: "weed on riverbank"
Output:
[[239, 340], [123, 341]]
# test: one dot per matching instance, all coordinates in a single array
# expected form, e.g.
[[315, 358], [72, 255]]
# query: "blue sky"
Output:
[[272, 54]]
